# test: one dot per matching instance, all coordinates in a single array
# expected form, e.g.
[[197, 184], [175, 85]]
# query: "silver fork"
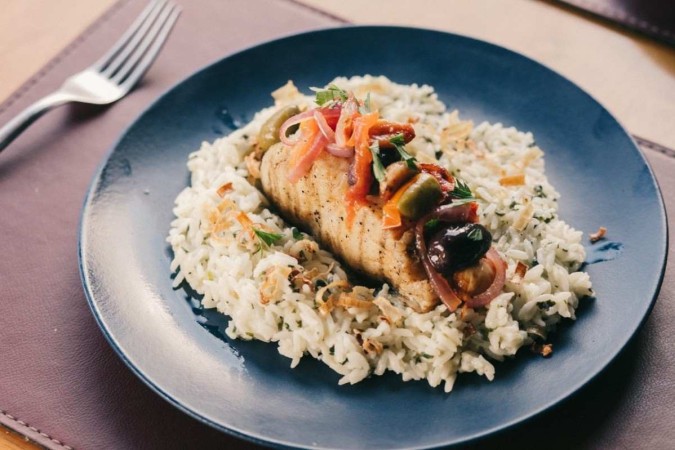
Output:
[[111, 77]]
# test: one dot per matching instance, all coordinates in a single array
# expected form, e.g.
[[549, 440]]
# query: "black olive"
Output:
[[457, 247], [389, 156]]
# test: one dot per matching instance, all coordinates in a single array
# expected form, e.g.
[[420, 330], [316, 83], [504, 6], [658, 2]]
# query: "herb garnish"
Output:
[[378, 167], [399, 142], [539, 191], [330, 94], [461, 190], [475, 235], [266, 238], [461, 193], [431, 225], [297, 234]]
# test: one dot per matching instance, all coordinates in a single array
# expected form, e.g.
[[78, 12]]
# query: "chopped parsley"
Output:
[[378, 167], [431, 226], [475, 235], [331, 94], [539, 191], [399, 142], [432, 223], [297, 235], [266, 238]]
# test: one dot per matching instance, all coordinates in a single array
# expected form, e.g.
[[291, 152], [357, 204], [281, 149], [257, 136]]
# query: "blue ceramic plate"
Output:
[[247, 388]]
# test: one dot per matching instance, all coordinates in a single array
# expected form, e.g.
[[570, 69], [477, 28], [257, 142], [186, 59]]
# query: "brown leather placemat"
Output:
[[654, 18], [64, 386]]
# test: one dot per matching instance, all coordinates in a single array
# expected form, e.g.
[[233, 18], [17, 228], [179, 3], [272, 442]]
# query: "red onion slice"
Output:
[[323, 125], [332, 115], [458, 214], [349, 108], [438, 282], [298, 118], [485, 297], [340, 151], [305, 162], [466, 213]]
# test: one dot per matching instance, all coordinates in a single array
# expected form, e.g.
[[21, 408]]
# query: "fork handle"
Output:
[[15, 127]]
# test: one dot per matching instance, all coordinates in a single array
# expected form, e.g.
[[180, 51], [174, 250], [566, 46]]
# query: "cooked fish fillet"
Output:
[[316, 203]]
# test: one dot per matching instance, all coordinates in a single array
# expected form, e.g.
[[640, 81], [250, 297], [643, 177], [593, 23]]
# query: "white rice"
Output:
[[230, 270]]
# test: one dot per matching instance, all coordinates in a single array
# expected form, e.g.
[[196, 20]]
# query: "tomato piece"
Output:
[[363, 158]]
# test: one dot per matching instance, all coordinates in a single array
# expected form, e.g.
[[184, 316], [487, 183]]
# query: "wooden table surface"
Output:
[[634, 77]]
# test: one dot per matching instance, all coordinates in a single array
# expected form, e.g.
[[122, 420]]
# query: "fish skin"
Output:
[[316, 203]]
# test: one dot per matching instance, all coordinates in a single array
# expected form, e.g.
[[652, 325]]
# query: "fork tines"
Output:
[[130, 57]]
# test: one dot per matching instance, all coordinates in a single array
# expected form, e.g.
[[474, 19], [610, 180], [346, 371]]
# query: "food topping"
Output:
[[308, 148], [384, 132], [473, 280], [269, 131], [465, 267], [595, 237], [519, 273], [544, 350], [361, 176], [222, 190], [512, 180], [398, 142], [455, 250], [420, 196], [457, 247], [493, 290], [395, 175], [390, 313]]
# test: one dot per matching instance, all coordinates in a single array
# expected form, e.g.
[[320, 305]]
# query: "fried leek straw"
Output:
[[512, 180], [519, 274], [326, 306], [224, 189], [392, 314], [348, 300], [595, 237]]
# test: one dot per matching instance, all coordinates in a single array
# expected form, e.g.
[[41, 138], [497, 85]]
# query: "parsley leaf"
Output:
[[378, 167], [297, 235], [397, 139], [399, 142], [267, 238], [475, 235], [431, 225], [330, 94], [539, 191]]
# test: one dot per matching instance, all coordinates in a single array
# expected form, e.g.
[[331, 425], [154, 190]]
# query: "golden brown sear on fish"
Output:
[[317, 203]]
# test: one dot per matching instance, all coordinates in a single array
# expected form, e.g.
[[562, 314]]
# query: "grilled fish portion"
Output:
[[316, 202]]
